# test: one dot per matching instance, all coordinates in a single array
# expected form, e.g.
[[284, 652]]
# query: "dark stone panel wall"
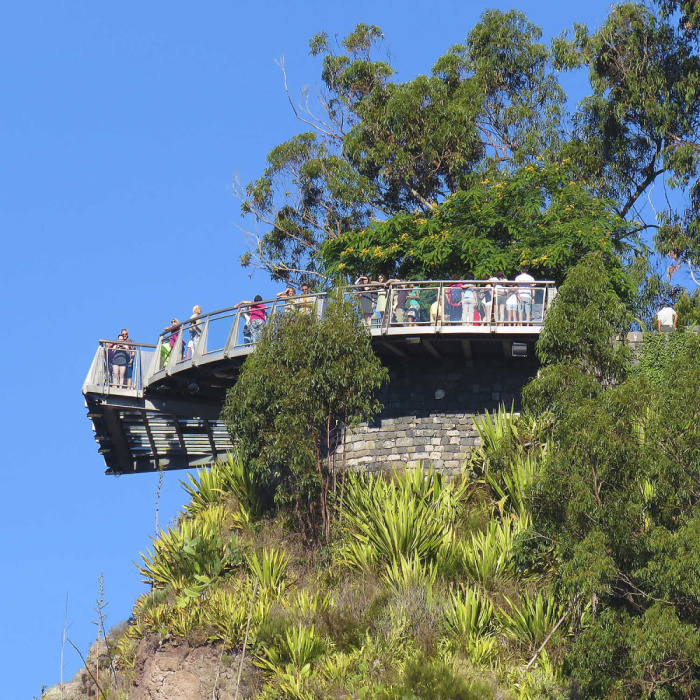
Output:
[[429, 406]]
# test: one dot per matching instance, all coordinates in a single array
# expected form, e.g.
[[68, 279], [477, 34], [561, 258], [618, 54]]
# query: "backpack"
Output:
[[455, 297]]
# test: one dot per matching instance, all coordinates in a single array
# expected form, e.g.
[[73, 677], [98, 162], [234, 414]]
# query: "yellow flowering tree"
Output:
[[535, 216]]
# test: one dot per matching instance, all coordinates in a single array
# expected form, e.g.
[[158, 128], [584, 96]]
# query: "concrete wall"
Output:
[[428, 413]]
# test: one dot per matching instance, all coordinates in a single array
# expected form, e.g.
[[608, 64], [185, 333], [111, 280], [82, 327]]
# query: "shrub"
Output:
[[197, 546], [410, 517]]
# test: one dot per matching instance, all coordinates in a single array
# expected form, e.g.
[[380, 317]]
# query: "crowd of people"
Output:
[[404, 303], [463, 301]]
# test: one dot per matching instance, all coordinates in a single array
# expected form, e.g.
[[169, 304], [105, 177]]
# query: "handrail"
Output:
[[372, 287], [109, 375], [480, 306]]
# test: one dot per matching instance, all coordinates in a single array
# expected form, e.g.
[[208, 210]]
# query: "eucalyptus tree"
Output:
[[376, 147], [308, 381], [640, 127]]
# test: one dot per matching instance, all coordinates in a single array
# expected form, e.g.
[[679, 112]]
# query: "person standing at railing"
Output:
[[399, 298], [666, 319], [118, 354], [453, 300], [512, 305], [524, 281], [285, 296], [500, 295], [129, 376], [255, 314], [469, 300], [166, 349], [365, 295], [413, 301], [195, 330], [383, 285], [305, 302], [437, 312]]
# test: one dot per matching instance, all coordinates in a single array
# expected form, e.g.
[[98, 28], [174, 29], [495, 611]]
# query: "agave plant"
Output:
[[404, 574], [300, 646], [410, 516], [494, 430], [204, 490], [270, 569], [360, 556], [468, 613], [530, 622], [237, 479], [512, 484], [311, 603], [481, 650], [489, 556], [195, 546], [226, 613]]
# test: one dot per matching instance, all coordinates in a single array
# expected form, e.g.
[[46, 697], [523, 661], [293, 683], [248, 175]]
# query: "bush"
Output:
[[433, 679]]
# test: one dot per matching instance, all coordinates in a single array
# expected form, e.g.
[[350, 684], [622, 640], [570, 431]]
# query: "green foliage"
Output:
[[468, 614], [408, 518], [383, 147], [488, 557], [512, 486], [534, 216], [584, 319], [270, 569], [198, 546], [434, 679], [617, 498], [532, 620], [661, 351], [299, 647], [653, 655], [307, 380], [228, 478], [402, 574], [225, 613]]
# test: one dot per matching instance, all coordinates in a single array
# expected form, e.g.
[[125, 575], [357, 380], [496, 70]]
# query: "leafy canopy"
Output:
[[308, 379], [382, 147], [535, 216]]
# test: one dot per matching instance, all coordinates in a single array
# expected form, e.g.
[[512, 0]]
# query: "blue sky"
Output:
[[122, 127]]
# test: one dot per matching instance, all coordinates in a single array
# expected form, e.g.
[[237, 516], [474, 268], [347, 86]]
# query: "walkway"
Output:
[[167, 415]]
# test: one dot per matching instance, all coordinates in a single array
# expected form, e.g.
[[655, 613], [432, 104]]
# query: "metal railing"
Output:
[[439, 306], [120, 365], [435, 306]]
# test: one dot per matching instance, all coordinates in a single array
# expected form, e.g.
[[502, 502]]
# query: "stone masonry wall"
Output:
[[428, 413]]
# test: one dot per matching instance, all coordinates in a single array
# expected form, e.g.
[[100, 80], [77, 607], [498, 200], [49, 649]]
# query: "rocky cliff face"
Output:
[[168, 671]]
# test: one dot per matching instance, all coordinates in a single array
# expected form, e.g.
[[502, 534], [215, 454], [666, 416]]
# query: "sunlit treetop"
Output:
[[536, 216]]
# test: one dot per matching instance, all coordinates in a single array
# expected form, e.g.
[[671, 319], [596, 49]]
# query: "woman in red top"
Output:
[[257, 315]]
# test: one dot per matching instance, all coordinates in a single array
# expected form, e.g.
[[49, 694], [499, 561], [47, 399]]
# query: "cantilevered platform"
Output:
[[167, 415]]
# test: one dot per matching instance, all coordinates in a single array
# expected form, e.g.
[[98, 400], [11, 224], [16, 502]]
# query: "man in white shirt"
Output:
[[524, 292], [666, 319]]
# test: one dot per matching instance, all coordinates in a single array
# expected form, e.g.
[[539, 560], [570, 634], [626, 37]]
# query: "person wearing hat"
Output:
[[412, 317]]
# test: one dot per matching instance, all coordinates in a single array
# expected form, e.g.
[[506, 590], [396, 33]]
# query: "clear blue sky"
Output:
[[122, 127]]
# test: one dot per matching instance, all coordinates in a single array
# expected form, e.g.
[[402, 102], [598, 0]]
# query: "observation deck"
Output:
[[162, 411]]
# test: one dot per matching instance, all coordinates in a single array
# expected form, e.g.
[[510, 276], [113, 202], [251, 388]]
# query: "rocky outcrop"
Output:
[[169, 671]]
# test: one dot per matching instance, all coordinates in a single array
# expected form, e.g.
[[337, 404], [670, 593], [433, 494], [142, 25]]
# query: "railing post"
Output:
[[201, 344], [232, 339], [388, 309], [155, 362]]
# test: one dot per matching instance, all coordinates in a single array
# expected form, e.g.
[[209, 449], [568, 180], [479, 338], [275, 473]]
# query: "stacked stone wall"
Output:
[[429, 409]]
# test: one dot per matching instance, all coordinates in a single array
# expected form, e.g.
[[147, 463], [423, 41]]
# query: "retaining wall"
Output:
[[429, 407]]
